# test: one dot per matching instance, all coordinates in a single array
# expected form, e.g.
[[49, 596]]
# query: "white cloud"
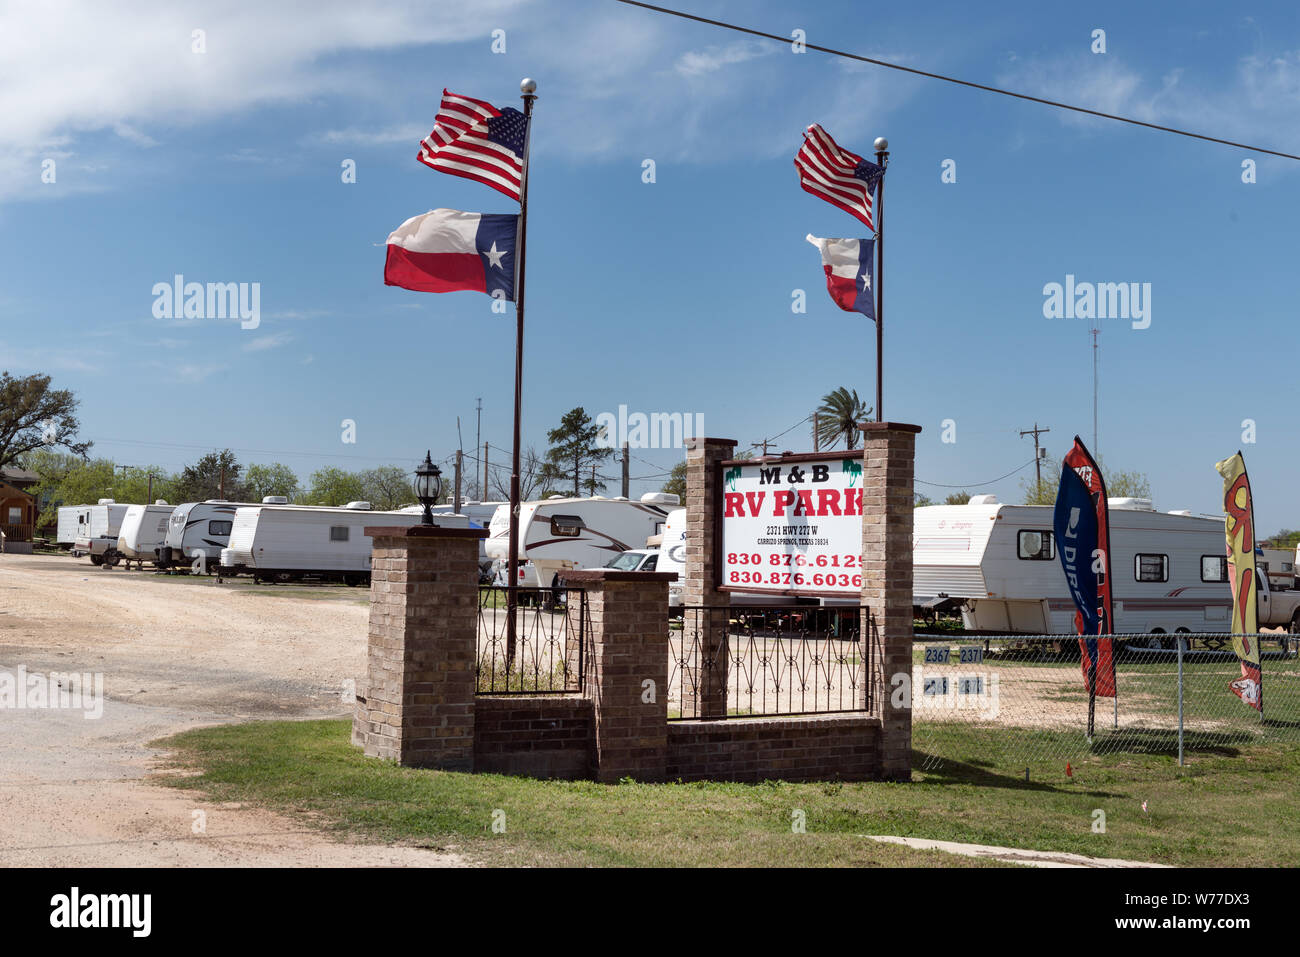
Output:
[[714, 58], [273, 341]]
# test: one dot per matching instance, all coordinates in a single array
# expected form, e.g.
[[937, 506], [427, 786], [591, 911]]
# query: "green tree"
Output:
[[133, 486], [34, 416], [1285, 538], [838, 418], [335, 486], [676, 484], [574, 455], [274, 479], [68, 480], [1119, 484], [921, 500], [957, 498], [215, 475], [391, 486]]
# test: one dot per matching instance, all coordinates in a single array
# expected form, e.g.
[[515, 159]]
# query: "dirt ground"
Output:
[[174, 654]]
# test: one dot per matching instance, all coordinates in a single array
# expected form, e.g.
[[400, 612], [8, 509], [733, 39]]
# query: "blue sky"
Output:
[[673, 296]]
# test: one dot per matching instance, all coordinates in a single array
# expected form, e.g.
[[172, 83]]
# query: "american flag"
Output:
[[474, 139], [841, 178]]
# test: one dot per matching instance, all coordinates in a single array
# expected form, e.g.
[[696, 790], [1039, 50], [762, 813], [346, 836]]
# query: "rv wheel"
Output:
[[1154, 641]]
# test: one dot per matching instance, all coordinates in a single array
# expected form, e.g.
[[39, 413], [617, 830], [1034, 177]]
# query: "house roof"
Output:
[[20, 476], [8, 491]]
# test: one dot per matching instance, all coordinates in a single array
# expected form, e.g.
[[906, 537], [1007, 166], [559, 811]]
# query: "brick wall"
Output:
[[545, 736], [838, 747]]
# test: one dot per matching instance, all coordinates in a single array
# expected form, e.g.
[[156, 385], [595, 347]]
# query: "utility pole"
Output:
[[627, 475], [478, 439], [485, 471], [460, 459], [593, 478], [816, 437], [1038, 467], [763, 445], [148, 499], [221, 483]]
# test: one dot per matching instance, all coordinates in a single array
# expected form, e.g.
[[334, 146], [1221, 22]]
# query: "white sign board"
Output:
[[792, 526]]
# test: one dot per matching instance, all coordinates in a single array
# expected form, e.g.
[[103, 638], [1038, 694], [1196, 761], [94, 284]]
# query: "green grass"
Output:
[[1231, 806]]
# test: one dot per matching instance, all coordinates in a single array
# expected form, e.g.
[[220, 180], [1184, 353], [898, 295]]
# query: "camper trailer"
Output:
[[1000, 561], [72, 523], [1279, 565], [198, 531], [556, 534], [101, 525], [143, 529], [276, 543]]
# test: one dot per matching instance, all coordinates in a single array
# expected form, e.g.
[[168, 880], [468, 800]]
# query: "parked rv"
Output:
[[99, 528], [1000, 561], [1279, 565], [277, 543], [556, 534], [198, 531], [71, 524], [143, 529]]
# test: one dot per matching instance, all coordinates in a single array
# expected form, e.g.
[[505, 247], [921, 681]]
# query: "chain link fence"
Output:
[[1016, 700]]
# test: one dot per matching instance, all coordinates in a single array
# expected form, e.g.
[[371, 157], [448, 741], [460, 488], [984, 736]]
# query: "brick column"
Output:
[[626, 645], [889, 456], [704, 687], [418, 705]]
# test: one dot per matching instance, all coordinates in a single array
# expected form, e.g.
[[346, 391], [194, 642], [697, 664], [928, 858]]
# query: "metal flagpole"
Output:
[[528, 89], [882, 160]]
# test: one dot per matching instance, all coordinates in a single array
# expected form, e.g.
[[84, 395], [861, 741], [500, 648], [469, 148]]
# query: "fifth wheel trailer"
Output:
[[296, 542], [1000, 562]]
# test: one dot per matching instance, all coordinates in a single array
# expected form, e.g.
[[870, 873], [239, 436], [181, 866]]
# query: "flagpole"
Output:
[[882, 160], [528, 89]]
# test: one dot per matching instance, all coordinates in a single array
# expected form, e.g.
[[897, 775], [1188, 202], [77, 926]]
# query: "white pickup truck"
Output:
[[1277, 607]]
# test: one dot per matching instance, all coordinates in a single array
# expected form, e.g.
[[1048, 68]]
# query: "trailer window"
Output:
[[1214, 568], [1151, 568], [567, 526], [1035, 545], [338, 533], [219, 528]]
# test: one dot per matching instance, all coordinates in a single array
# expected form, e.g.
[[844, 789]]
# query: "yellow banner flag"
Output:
[[1239, 524]]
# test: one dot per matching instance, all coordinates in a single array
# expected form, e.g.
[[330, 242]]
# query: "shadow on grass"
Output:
[[940, 770]]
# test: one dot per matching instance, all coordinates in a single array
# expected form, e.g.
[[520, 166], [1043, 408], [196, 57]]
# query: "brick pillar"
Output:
[[626, 645], [418, 705], [889, 456], [704, 676]]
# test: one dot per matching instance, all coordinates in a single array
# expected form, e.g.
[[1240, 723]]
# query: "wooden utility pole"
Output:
[[460, 459], [763, 445], [627, 475], [816, 437], [221, 483], [1038, 462], [485, 472]]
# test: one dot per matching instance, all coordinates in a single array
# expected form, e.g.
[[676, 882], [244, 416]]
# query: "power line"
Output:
[[980, 484], [950, 79]]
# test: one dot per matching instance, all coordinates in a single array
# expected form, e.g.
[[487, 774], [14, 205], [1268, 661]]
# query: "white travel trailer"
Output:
[[295, 542], [1170, 573], [99, 528], [89, 521], [202, 529], [143, 529], [556, 534], [1279, 565]]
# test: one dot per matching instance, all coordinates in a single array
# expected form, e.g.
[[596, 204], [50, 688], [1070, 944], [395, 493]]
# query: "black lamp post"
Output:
[[428, 485]]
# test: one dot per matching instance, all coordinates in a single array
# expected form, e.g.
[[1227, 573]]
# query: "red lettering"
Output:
[[805, 506], [780, 501], [735, 502], [853, 501], [828, 501], [755, 502]]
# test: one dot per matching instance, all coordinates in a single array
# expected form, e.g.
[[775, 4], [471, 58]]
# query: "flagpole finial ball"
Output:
[[882, 144], [527, 86]]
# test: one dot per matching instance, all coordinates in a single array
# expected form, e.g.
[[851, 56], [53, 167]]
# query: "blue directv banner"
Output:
[[1075, 524]]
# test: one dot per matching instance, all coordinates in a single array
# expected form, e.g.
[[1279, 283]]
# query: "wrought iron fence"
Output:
[[751, 661], [1013, 700], [551, 628]]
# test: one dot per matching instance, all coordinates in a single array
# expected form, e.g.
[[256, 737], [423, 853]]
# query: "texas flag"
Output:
[[445, 250], [848, 272]]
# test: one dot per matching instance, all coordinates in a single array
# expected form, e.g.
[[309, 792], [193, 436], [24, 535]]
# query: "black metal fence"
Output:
[[752, 661], [551, 628]]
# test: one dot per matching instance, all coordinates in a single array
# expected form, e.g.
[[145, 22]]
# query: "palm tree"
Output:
[[838, 417]]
